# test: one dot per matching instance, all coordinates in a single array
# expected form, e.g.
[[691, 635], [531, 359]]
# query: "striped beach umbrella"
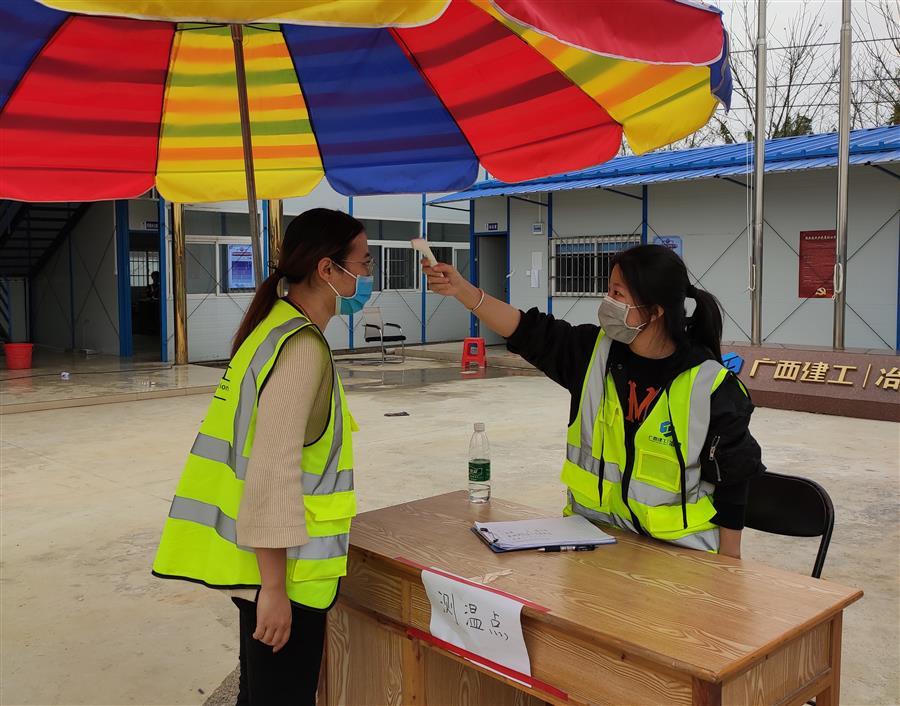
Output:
[[105, 99]]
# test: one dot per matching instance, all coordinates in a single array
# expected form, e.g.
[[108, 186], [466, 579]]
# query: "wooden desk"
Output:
[[639, 622]]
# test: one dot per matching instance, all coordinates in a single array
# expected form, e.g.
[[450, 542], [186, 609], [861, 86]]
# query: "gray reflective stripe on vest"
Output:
[[592, 397], [213, 449], [219, 450], [319, 548], [337, 437], [327, 483], [596, 516], [247, 396], [586, 461], [698, 419], [651, 495], [707, 540], [638, 490], [696, 487], [211, 516], [333, 479], [698, 429]]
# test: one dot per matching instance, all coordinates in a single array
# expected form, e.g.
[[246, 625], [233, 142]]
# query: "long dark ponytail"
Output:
[[313, 235], [656, 276]]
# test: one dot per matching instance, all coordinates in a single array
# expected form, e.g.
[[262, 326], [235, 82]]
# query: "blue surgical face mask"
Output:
[[344, 306]]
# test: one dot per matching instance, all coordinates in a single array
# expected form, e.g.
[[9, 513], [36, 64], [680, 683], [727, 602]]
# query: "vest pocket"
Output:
[[658, 470], [580, 481], [331, 507], [319, 570]]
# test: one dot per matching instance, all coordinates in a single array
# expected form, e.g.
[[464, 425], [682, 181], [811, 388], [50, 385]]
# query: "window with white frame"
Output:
[[456, 255], [219, 265], [443, 253], [581, 265], [397, 265], [399, 268]]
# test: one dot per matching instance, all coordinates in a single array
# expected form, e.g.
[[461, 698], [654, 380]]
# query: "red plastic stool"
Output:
[[473, 352]]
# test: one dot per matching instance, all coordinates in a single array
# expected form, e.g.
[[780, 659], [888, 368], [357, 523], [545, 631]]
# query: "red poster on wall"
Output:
[[817, 256]]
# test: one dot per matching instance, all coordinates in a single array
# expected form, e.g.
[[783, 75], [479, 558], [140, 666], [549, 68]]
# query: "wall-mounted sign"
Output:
[[537, 228], [673, 242], [817, 257], [151, 225], [493, 226], [240, 267]]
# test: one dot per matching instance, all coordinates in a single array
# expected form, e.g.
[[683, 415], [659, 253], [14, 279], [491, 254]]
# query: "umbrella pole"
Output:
[[237, 37], [276, 233]]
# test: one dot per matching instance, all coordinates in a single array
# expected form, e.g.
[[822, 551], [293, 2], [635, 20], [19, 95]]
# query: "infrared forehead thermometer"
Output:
[[421, 247]]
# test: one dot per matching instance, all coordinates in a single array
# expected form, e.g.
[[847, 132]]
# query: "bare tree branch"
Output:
[[803, 74]]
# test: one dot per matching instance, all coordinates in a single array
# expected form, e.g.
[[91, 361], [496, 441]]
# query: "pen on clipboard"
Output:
[[570, 548]]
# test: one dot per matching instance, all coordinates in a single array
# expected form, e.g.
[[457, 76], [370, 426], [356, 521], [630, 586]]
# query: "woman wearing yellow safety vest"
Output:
[[658, 439], [264, 504]]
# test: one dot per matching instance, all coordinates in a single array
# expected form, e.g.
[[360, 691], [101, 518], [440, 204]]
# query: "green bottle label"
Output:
[[479, 471]]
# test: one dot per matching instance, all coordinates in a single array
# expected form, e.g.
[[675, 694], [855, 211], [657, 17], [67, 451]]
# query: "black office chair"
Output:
[[791, 506]]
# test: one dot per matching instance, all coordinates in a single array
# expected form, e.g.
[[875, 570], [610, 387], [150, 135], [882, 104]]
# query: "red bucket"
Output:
[[18, 355]]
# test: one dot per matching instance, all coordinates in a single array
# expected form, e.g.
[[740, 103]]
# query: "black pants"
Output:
[[289, 676]]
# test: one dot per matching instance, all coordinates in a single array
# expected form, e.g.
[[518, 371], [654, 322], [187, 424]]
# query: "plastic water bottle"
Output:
[[479, 466]]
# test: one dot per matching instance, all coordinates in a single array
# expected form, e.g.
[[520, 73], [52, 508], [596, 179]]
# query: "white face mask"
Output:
[[613, 316]]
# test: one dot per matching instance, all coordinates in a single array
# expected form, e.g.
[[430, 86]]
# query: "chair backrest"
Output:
[[372, 316], [791, 506]]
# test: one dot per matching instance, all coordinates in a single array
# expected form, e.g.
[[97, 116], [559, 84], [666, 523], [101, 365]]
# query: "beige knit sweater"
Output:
[[293, 411]]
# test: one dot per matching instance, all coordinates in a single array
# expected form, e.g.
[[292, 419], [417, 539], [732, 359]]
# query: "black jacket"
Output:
[[563, 352]]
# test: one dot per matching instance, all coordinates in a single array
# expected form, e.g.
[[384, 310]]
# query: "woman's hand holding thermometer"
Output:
[[420, 245]]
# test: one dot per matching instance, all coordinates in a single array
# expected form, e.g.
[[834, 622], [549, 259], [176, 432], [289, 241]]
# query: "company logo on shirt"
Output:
[[665, 428]]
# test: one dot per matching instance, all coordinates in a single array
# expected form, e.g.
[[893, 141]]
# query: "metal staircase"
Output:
[[31, 232]]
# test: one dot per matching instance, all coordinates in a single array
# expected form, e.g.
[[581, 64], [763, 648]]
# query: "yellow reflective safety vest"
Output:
[[199, 540], [656, 487]]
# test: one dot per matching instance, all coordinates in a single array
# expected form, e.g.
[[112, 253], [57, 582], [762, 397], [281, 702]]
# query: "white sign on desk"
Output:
[[477, 620]]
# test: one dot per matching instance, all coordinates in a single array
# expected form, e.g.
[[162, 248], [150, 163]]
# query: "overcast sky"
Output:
[[868, 23], [780, 12]]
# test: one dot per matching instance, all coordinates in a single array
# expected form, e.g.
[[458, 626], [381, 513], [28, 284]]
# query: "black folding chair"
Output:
[[791, 506], [373, 321]]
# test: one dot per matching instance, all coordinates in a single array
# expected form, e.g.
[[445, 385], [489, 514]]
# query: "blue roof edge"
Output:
[[706, 161]]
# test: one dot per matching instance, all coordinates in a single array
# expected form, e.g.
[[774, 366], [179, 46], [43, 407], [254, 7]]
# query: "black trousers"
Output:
[[289, 676]]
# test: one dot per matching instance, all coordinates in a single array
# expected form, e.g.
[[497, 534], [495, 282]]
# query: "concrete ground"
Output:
[[85, 491], [96, 379]]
